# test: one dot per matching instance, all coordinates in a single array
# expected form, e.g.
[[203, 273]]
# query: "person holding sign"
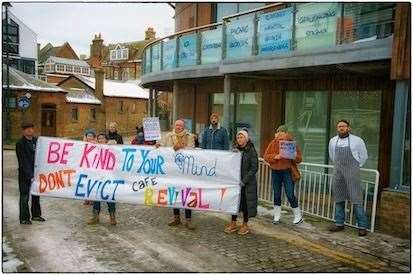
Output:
[[283, 155], [180, 138], [249, 196], [90, 136], [102, 139], [215, 136], [25, 151], [348, 153]]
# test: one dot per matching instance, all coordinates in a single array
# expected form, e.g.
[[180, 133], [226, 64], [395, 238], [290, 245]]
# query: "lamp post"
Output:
[[6, 118]]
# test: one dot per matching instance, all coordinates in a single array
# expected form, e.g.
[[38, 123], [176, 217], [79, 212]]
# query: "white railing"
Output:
[[314, 191]]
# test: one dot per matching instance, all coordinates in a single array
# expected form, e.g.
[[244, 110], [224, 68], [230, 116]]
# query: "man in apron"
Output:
[[348, 153]]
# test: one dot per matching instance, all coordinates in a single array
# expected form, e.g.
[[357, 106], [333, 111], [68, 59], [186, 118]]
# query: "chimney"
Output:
[[150, 34], [97, 46]]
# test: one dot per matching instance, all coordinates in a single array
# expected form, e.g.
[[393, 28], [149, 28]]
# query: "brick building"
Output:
[[120, 61]]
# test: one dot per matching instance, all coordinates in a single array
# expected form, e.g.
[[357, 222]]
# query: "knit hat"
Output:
[[282, 128], [244, 133], [90, 131], [27, 124]]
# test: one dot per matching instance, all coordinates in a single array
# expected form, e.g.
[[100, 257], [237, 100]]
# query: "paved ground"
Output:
[[143, 242]]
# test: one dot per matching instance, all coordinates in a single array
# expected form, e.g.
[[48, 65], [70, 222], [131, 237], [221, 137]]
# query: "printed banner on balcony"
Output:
[[240, 35], [275, 32], [205, 180]]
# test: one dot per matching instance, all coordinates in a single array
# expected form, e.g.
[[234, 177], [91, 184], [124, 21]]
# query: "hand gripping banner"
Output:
[[205, 180]]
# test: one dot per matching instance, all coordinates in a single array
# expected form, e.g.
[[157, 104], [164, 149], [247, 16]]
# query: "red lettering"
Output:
[[53, 155], [200, 200], [87, 149], [111, 160], [162, 197], [43, 183], [69, 175], [194, 202], [51, 178], [65, 152], [59, 180]]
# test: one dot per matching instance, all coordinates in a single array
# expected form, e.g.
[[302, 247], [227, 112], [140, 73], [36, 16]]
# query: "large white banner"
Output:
[[206, 180]]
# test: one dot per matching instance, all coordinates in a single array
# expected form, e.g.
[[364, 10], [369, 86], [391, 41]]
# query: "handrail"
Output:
[[252, 11], [181, 32]]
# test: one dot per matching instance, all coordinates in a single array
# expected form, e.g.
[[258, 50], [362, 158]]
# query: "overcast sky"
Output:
[[77, 23]]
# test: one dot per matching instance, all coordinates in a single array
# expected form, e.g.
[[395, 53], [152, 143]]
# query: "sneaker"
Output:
[[231, 228], [244, 230], [336, 228], [25, 222], [362, 232], [38, 219]]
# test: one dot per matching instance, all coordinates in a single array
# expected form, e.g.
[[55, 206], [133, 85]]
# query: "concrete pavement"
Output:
[[142, 241]]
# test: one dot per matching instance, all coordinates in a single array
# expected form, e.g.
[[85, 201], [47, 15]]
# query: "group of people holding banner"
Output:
[[347, 151]]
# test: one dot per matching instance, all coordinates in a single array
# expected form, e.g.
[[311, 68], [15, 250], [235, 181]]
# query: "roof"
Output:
[[68, 61], [81, 96], [136, 45], [113, 88], [46, 52], [23, 81]]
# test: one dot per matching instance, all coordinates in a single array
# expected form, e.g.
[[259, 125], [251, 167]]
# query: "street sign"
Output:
[[23, 102]]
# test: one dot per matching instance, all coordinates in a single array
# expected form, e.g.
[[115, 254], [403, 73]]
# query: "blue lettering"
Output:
[[151, 166], [77, 194], [101, 190], [128, 161]]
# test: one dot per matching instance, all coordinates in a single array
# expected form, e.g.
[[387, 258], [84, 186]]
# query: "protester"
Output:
[[284, 171], [113, 134], [215, 136], [89, 136], [139, 139], [25, 151], [102, 139], [249, 197], [348, 153], [180, 138]]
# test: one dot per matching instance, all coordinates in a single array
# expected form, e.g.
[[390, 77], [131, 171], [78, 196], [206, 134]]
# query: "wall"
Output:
[[393, 215], [55, 79], [76, 129], [28, 40], [189, 15]]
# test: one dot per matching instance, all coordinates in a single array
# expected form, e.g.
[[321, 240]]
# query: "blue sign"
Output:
[[211, 46], [187, 50], [156, 58], [23, 102], [275, 31], [239, 35], [169, 60]]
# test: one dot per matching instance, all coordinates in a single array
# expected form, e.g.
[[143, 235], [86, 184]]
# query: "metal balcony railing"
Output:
[[268, 32]]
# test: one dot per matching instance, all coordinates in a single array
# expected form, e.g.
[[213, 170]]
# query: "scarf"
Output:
[[180, 138]]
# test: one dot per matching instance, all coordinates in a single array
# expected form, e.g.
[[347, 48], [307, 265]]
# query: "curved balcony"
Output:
[[274, 37]]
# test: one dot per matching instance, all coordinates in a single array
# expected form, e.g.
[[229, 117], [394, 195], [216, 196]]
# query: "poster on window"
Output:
[[151, 128], [275, 31], [316, 25], [288, 149]]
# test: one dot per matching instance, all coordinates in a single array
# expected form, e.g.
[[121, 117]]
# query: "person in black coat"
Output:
[[249, 196], [25, 151], [113, 134]]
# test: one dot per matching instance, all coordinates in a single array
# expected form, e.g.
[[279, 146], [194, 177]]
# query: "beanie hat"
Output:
[[282, 128], [90, 131], [244, 133]]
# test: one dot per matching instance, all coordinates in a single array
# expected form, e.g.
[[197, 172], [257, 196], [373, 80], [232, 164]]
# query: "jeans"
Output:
[[24, 213], [111, 207], [280, 177], [188, 213], [360, 215]]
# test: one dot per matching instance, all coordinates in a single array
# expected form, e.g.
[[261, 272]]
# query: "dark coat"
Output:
[[249, 168], [115, 136], [215, 139], [25, 151]]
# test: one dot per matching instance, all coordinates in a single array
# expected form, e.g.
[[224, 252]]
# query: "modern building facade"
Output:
[[20, 43], [305, 65]]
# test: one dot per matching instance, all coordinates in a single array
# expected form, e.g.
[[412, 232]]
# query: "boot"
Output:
[[94, 219], [298, 218], [189, 224], [112, 219], [277, 214], [244, 230], [336, 228], [175, 221], [231, 228]]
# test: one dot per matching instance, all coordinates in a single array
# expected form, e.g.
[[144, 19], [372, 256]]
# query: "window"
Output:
[[133, 108], [11, 102], [113, 55], [115, 75], [120, 106], [69, 68], [225, 9], [119, 53], [125, 75], [60, 67], [125, 54], [85, 71], [11, 38], [27, 66], [93, 114], [75, 115], [77, 69]]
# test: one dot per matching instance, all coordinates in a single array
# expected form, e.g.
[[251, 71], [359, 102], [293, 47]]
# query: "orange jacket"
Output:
[[273, 149]]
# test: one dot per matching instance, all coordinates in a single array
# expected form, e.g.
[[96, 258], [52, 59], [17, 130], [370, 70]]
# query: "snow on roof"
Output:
[[23, 81], [113, 88], [81, 96], [67, 61]]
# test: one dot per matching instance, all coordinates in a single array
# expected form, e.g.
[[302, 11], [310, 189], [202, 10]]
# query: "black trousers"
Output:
[[188, 213], [24, 214], [242, 206]]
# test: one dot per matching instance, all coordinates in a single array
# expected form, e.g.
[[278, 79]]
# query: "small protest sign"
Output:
[[151, 128]]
